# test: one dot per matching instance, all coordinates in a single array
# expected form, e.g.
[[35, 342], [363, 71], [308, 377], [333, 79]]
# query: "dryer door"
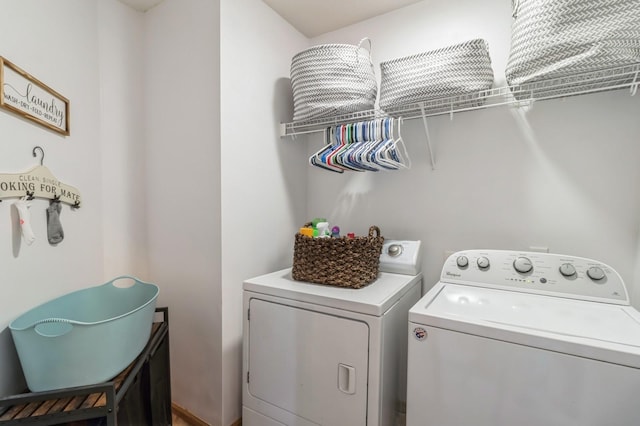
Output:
[[308, 363]]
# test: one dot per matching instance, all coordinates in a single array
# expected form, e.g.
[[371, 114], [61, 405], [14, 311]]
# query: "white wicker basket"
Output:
[[332, 79], [561, 38], [454, 70]]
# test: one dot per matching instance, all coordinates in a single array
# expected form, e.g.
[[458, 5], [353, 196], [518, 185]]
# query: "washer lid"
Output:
[[582, 328], [373, 299]]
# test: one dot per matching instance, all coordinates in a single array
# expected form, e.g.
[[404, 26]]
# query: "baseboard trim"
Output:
[[187, 415]]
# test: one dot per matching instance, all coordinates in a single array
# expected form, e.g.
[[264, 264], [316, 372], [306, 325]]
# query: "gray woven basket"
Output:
[[450, 71], [332, 79], [560, 38]]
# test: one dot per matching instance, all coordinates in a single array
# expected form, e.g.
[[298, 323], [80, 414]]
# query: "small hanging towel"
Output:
[[54, 227], [22, 206]]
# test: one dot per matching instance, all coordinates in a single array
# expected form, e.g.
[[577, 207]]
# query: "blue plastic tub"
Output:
[[87, 336]]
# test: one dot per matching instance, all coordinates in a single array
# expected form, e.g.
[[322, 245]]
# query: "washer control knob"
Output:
[[595, 273], [522, 265], [567, 270], [462, 261], [394, 250], [483, 262]]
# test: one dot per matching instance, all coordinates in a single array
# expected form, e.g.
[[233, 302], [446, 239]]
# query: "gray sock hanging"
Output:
[[54, 227]]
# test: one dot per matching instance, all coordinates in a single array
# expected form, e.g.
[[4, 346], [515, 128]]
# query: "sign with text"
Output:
[[38, 182], [28, 97]]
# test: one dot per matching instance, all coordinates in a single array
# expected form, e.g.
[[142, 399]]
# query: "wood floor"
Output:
[[179, 421], [182, 417]]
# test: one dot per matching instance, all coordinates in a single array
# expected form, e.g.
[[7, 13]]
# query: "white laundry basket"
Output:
[[332, 79]]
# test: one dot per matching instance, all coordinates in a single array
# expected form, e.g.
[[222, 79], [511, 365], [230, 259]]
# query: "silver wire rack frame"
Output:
[[522, 95]]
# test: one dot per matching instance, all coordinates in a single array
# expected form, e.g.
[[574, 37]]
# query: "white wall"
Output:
[[182, 131], [122, 139], [263, 176], [186, 182], [56, 42], [560, 175], [145, 93]]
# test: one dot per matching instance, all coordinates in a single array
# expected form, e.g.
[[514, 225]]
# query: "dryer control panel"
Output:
[[532, 272], [401, 257]]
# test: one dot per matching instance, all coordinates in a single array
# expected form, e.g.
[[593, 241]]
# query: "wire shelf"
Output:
[[580, 84]]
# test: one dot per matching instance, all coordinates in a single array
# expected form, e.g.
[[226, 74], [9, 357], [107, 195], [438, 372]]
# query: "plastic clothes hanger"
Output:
[[338, 136], [363, 154], [375, 135], [395, 153], [362, 135], [349, 156], [388, 154], [374, 154], [363, 146], [317, 158], [340, 157]]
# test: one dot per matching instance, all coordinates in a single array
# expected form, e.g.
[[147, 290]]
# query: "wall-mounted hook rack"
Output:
[[36, 148], [38, 182]]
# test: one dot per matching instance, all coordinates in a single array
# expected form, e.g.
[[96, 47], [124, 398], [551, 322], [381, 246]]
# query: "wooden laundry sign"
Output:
[[28, 97], [38, 182]]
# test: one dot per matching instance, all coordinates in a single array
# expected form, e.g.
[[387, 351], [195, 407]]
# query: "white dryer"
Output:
[[324, 355], [529, 339]]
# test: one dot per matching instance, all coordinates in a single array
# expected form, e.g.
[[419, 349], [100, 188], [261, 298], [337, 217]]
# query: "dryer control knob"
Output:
[[595, 273], [394, 250], [567, 270], [522, 265], [462, 261], [483, 262]]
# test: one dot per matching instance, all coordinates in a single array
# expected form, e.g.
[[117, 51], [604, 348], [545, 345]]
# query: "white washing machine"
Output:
[[524, 339], [324, 355]]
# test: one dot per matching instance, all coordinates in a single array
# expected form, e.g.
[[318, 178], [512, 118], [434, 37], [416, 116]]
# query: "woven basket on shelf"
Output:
[[460, 69], [343, 262], [332, 79], [562, 38]]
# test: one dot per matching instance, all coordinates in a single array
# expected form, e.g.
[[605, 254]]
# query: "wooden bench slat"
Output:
[[102, 401], [30, 408], [91, 400], [44, 408], [59, 405], [12, 412]]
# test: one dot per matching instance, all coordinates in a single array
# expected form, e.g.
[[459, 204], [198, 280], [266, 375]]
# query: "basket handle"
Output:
[[356, 50], [369, 50], [124, 286], [53, 327], [515, 5]]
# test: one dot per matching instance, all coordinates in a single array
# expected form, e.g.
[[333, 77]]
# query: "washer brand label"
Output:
[[451, 274], [419, 333]]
